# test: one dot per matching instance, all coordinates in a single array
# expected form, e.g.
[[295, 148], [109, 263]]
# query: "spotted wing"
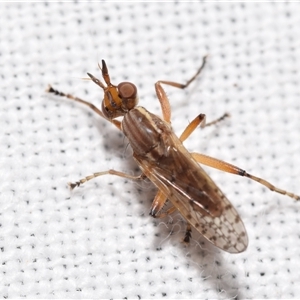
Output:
[[196, 196]]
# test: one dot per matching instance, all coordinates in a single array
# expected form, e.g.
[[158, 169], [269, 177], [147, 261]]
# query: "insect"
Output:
[[164, 160]]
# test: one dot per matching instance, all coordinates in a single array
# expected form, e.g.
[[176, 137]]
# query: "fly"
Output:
[[164, 160]]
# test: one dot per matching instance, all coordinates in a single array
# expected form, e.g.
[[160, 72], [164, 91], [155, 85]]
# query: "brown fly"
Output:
[[176, 172]]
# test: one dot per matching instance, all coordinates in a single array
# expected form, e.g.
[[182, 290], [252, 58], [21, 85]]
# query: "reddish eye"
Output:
[[128, 94], [127, 90]]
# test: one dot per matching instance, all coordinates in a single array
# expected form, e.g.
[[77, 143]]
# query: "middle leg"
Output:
[[111, 172], [199, 120]]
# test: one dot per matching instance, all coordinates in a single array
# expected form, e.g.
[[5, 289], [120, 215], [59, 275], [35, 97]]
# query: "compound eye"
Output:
[[127, 90], [128, 94]]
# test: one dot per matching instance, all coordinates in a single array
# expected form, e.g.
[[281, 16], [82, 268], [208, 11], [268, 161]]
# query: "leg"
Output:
[[162, 96], [111, 172], [229, 168], [188, 233], [199, 120], [157, 204], [226, 115], [50, 89]]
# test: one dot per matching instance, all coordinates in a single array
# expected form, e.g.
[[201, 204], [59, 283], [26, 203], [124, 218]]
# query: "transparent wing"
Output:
[[196, 196]]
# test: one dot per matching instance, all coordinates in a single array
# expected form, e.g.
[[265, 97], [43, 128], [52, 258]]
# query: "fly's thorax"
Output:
[[145, 132]]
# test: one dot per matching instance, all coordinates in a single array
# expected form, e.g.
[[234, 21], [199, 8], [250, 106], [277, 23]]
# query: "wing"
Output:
[[196, 196]]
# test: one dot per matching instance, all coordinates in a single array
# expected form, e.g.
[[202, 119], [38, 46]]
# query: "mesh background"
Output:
[[99, 241]]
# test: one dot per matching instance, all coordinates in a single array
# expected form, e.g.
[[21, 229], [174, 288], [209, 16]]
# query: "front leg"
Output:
[[50, 89], [162, 96]]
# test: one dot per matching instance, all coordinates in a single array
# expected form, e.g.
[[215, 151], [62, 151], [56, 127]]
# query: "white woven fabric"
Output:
[[99, 241]]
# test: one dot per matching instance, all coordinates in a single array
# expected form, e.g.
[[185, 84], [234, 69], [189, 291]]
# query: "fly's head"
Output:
[[118, 100]]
